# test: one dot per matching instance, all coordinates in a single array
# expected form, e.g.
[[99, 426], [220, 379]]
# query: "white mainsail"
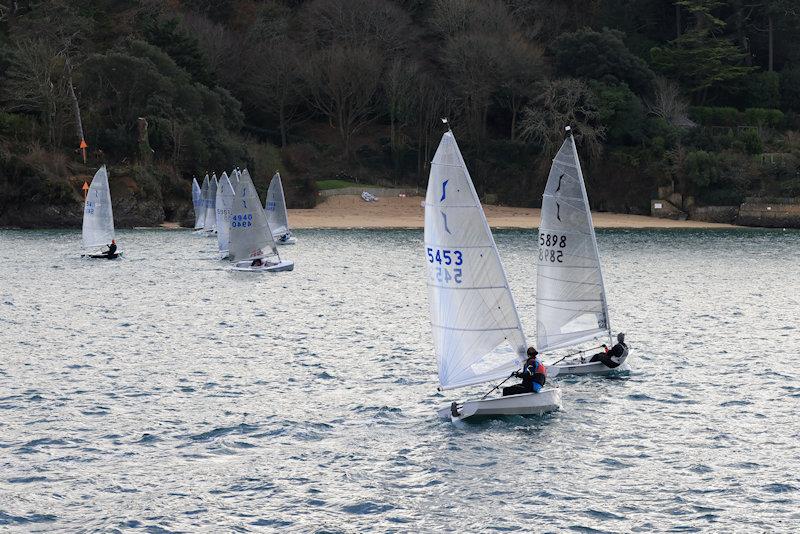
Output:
[[250, 236], [472, 309], [197, 202], [209, 223], [98, 217], [275, 206], [570, 295], [200, 222], [224, 206]]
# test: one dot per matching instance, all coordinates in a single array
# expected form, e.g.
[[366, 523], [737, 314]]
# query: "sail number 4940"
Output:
[[449, 262]]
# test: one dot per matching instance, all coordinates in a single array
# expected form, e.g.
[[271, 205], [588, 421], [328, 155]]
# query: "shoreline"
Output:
[[352, 212]]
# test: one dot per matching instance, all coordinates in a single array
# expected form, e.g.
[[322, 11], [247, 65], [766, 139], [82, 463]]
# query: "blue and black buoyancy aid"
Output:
[[534, 372]]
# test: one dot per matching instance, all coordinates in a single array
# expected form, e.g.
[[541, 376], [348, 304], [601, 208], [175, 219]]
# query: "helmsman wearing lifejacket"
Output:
[[533, 375], [611, 358]]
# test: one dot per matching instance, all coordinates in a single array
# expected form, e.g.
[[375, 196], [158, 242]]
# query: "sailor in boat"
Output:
[[111, 253], [257, 263], [611, 358], [285, 237], [533, 375]]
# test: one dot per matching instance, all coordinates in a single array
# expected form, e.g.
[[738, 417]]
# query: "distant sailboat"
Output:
[[210, 221], [277, 216], [252, 246], [571, 304], [197, 202], [199, 224], [98, 218], [224, 207], [477, 333]]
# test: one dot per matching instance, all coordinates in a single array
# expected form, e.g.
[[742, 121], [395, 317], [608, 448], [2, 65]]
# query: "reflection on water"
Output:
[[162, 391]]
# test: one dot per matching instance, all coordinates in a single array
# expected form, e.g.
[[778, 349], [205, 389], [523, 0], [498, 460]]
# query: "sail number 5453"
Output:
[[445, 257], [449, 262]]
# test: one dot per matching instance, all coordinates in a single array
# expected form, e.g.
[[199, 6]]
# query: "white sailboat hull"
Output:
[[547, 400], [589, 368], [244, 266]]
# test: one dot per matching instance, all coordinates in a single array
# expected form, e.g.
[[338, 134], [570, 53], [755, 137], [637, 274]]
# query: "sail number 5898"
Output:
[[553, 254]]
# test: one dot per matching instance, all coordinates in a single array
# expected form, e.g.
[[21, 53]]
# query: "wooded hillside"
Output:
[[703, 95]]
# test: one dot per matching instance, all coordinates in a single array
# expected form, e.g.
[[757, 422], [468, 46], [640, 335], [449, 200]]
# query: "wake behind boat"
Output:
[[477, 333], [571, 306], [98, 220]]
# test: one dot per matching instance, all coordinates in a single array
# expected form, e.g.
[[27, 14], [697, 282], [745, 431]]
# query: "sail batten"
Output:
[[476, 329], [570, 296]]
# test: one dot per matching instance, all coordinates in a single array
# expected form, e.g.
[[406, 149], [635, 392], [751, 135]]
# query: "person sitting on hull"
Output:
[[284, 238], [111, 253], [534, 376], [611, 358]]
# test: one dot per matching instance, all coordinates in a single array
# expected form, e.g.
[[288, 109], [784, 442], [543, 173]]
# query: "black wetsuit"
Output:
[[611, 358], [112, 251]]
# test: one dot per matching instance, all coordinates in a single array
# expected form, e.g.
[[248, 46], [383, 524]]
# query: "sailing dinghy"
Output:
[[571, 304], [224, 206], [200, 221], [477, 334], [277, 216], [98, 218], [252, 246], [197, 202], [210, 221]]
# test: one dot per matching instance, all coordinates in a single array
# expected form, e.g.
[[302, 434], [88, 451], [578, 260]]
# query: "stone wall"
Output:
[[377, 191], [715, 214], [783, 213], [664, 209]]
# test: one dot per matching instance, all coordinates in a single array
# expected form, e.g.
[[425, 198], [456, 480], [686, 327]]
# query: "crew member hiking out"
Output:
[[534, 376], [611, 358]]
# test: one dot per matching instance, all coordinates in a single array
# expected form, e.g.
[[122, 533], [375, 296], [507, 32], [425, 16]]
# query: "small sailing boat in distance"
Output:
[[277, 216], [200, 219], [224, 206], [252, 246], [210, 220], [571, 306], [197, 202], [98, 219], [477, 334]]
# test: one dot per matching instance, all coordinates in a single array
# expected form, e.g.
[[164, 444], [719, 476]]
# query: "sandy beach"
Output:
[[406, 212]]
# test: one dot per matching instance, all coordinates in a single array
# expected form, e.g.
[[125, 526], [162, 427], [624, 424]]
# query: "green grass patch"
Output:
[[322, 185]]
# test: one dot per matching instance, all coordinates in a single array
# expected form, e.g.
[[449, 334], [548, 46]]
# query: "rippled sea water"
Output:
[[163, 393]]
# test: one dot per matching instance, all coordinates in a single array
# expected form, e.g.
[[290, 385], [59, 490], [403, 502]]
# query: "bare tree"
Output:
[[342, 83], [563, 102], [473, 62], [35, 83], [454, 17], [521, 69], [398, 87], [668, 102], [379, 24]]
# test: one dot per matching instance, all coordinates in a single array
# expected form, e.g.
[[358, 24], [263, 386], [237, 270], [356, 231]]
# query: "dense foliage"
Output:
[[689, 92]]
